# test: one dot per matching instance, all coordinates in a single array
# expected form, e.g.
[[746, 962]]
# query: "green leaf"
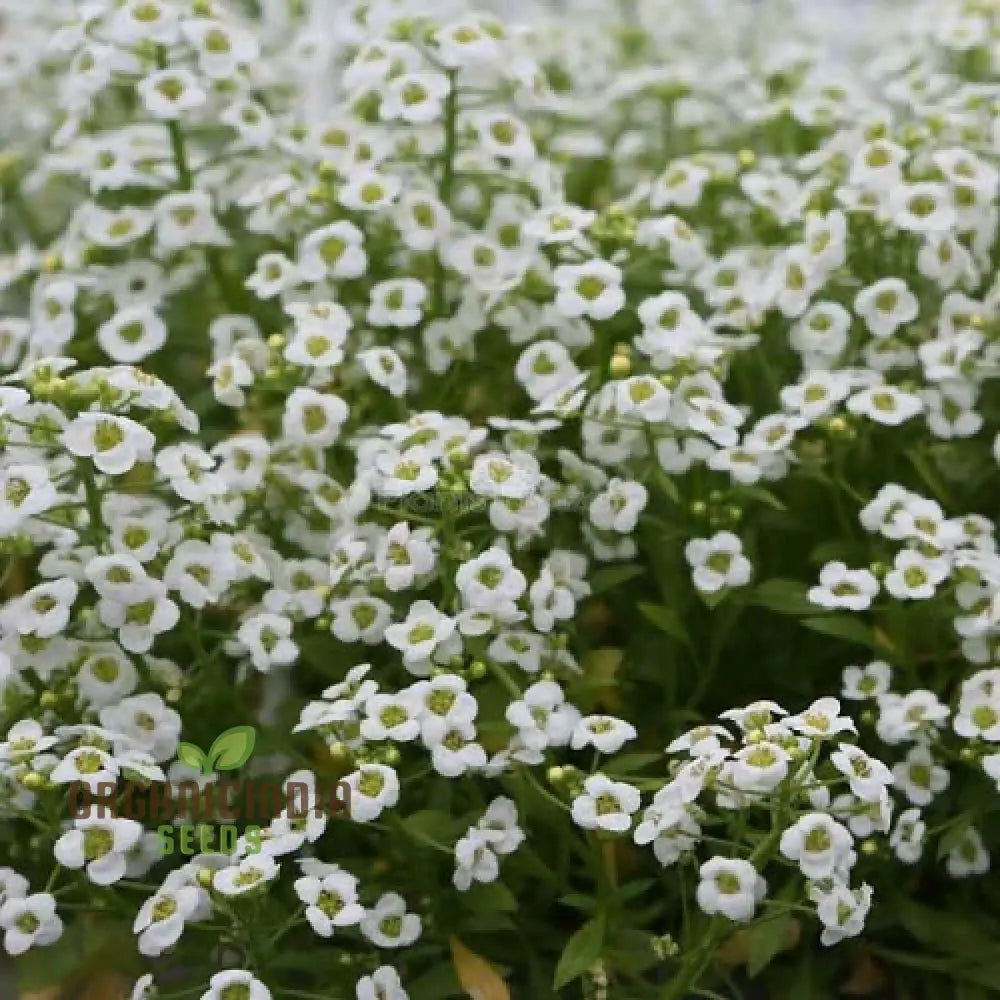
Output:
[[787, 597], [432, 827], [666, 620], [491, 896], [581, 951], [630, 764], [232, 748], [843, 627], [762, 495], [766, 939], [610, 577], [188, 753]]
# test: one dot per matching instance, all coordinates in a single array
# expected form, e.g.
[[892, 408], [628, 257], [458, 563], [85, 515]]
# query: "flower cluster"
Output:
[[479, 412]]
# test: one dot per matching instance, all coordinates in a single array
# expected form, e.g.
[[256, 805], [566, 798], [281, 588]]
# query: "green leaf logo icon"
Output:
[[230, 750]]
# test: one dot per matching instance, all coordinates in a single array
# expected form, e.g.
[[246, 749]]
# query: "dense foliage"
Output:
[[578, 440]]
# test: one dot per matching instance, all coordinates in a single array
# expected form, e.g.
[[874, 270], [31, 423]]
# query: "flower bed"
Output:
[[499, 510]]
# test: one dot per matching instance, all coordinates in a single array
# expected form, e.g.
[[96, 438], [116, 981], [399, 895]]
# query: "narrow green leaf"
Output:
[[666, 620], [843, 627], [608, 577], [766, 939], [581, 951], [787, 597]]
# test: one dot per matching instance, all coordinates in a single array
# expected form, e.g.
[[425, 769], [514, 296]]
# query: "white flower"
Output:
[[267, 638], [543, 717], [867, 776], [336, 250], [388, 925], [604, 733], [100, 845], [370, 191], [885, 404], [405, 555], [331, 901], [313, 418], [490, 582], [731, 888], [886, 305], [822, 719], [423, 630], [592, 289], [392, 717], [222, 48], [907, 838], [114, 443], [160, 920], [840, 587], [969, 856], [475, 860], [245, 875], [25, 491], [842, 911], [919, 777], [169, 93], [819, 845], [759, 767], [499, 824], [374, 788], [718, 562], [235, 984], [146, 723], [605, 804], [871, 681], [382, 984], [29, 922], [87, 764], [618, 506], [514, 477], [924, 207], [132, 334], [397, 302], [385, 369]]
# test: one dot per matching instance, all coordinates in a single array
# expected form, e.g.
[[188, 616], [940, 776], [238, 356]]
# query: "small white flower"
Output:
[[604, 733], [331, 901], [842, 911], [819, 845], [29, 922], [374, 788], [605, 804], [871, 681], [920, 777], [100, 845], [867, 776], [114, 444], [235, 984], [731, 888], [169, 93], [840, 587], [718, 562], [618, 506], [160, 920], [246, 875], [592, 289], [388, 925], [423, 630], [382, 984]]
